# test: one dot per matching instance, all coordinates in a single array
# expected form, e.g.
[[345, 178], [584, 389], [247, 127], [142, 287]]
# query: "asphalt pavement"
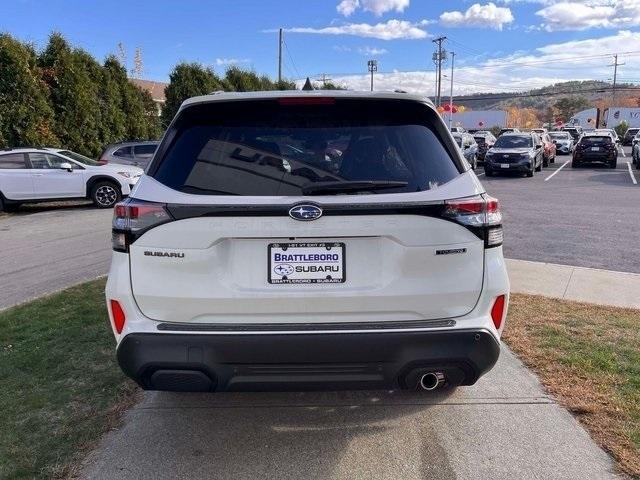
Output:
[[586, 217], [44, 252], [504, 427]]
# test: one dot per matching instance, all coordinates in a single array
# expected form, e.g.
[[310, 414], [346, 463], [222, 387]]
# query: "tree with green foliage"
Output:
[[569, 106], [185, 81], [328, 85], [72, 78], [621, 128], [26, 117], [114, 118]]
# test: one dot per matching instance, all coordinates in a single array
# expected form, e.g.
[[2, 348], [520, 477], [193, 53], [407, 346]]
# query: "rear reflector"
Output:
[[497, 311], [117, 315]]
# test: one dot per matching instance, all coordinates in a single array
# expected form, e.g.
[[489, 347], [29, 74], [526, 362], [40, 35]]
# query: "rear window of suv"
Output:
[[595, 140], [290, 148]]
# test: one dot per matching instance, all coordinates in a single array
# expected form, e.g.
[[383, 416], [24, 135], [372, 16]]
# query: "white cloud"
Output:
[[553, 63], [231, 61], [482, 16], [372, 51], [582, 15], [377, 7], [389, 30]]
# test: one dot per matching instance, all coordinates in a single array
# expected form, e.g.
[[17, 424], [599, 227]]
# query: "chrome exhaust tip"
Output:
[[431, 381]]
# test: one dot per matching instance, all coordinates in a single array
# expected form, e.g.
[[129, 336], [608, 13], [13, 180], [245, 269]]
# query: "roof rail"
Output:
[[24, 146]]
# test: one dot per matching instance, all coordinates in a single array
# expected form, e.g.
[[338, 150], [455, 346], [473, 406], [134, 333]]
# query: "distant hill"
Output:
[[539, 98]]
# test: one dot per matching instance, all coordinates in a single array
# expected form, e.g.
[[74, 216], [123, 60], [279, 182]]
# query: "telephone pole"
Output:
[[280, 40], [324, 78], [372, 65], [438, 58], [615, 66], [453, 56]]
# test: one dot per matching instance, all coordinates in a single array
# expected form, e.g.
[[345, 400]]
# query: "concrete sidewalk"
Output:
[[604, 287]]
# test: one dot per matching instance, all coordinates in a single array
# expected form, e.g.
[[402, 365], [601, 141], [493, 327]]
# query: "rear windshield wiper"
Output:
[[319, 188]]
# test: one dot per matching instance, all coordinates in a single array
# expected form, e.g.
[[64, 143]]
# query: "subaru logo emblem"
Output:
[[283, 269], [305, 212]]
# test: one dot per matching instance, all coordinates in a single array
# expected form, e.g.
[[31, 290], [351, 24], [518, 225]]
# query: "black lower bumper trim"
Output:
[[314, 361]]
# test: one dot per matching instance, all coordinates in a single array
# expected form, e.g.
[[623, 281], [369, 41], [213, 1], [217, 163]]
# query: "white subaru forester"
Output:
[[307, 240]]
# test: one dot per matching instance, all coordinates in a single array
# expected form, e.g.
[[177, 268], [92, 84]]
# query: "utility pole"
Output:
[[438, 58], [615, 66], [324, 78], [372, 65], [280, 40], [453, 56]]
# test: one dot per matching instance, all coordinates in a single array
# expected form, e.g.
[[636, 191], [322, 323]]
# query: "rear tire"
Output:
[[613, 164], [539, 167], [105, 194], [575, 164], [545, 161], [529, 174]]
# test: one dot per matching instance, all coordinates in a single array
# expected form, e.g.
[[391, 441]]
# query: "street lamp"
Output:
[[372, 65]]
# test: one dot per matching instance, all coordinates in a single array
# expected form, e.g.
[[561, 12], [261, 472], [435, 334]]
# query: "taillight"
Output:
[[103, 161], [117, 315], [480, 213], [497, 311], [131, 218]]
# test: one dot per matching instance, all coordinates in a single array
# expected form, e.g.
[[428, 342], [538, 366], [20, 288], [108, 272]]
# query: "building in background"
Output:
[[156, 89], [478, 119]]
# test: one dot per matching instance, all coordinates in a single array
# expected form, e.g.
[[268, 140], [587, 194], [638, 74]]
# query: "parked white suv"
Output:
[[42, 174], [304, 240]]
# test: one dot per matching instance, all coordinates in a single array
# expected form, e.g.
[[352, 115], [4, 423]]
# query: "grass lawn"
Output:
[[61, 386], [588, 357]]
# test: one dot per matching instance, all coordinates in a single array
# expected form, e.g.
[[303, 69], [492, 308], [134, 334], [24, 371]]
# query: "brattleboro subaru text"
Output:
[[307, 240]]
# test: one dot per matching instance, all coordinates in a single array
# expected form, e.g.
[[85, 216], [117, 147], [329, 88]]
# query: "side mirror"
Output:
[[538, 146], [66, 166]]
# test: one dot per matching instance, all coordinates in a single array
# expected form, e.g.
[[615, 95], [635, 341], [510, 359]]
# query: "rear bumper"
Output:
[[520, 166], [315, 361], [596, 157]]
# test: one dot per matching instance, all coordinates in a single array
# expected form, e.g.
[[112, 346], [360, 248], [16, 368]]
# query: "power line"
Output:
[[286, 47]]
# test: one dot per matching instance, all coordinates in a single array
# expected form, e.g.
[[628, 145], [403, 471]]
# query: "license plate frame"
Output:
[[306, 278]]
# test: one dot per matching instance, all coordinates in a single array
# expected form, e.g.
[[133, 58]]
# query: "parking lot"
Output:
[[584, 217]]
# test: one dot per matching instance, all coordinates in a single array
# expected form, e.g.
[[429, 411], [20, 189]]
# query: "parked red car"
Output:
[[549, 154]]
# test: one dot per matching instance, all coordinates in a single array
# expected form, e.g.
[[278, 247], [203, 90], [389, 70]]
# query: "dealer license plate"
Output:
[[306, 263]]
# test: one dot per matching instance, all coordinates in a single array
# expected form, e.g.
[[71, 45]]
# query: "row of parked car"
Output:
[[527, 152]]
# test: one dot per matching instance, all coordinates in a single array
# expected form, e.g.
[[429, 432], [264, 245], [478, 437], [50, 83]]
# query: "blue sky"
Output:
[[504, 45]]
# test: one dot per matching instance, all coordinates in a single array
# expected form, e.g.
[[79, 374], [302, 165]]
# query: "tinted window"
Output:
[[595, 140], [265, 148], [123, 152], [47, 161], [514, 141], [79, 158], [12, 160], [144, 149], [560, 136], [479, 140]]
